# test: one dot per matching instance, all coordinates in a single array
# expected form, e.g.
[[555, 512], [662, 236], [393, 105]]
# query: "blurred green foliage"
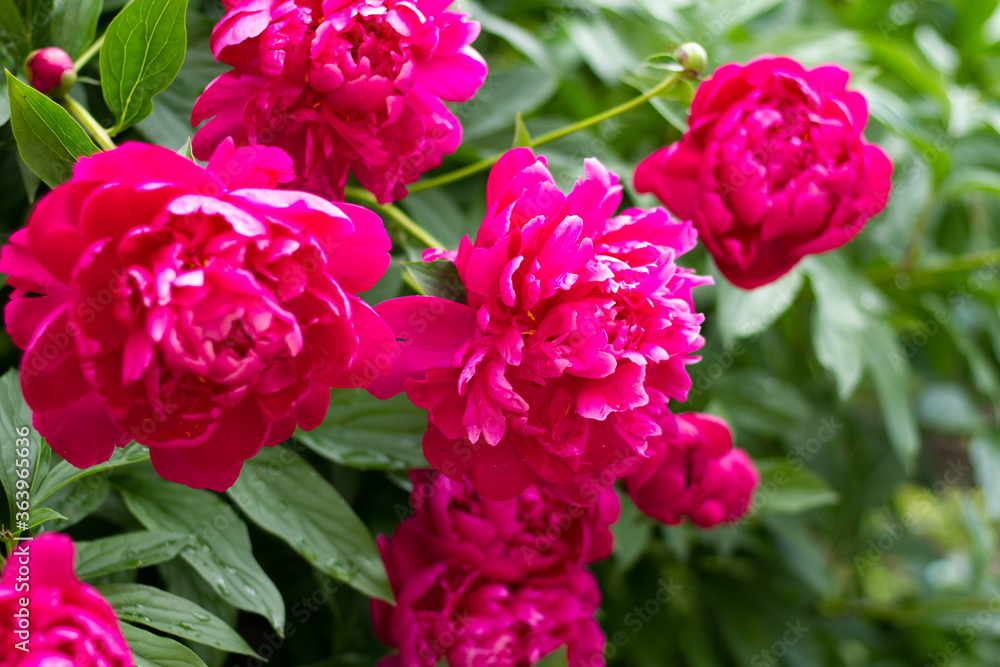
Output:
[[866, 384]]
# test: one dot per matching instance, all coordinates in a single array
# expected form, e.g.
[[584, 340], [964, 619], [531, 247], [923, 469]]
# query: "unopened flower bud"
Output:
[[50, 71], [692, 57]]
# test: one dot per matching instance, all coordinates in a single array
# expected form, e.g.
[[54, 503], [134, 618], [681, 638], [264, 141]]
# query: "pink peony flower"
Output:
[[48, 617], [578, 326], [342, 85], [50, 71], [773, 167], [696, 474], [189, 311], [536, 534], [472, 585]]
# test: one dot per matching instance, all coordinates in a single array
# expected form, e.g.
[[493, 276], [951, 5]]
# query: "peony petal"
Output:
[[428, 332], [172, 465], [83, 432]]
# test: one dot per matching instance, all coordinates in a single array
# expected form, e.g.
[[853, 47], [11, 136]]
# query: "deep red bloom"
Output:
[[695, 474], [774, 167], [492, 584], [187, 310], [342, 85]]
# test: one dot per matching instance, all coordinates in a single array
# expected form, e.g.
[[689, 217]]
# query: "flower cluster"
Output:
[[576, 333], [65, 622], [493, 583], [199, 312], [342, 85], [696, 474], [773, 167]]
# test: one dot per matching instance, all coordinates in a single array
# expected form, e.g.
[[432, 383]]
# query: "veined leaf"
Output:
[[361, 431], [128, 551], [285, 496], [15, 420], [149, 650], [174, 615], [142, 53], [48, 138], [65, 473], [223, 555]]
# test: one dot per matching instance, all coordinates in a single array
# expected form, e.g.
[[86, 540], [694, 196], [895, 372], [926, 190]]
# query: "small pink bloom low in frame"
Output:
[[66, 622]]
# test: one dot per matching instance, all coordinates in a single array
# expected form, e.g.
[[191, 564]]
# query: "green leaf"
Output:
[[78, 500], [28, 178], [149, 650], [173, 615], [128, 551], [837, 328], [285, 496], [557, 658], [142, 53], [223, 555], [13, 40], [438, 278], [182, 580], [890, 374], [436, 211], [788, 488], [40, 515], [522, 40], [741, 314], [187, 150], [522, 138], [984, 451], [632, 532], [74, 24], [15, 423], [360, 431], [66, 473], [48, 138], [506, 91], [37, 19], [4, 100]]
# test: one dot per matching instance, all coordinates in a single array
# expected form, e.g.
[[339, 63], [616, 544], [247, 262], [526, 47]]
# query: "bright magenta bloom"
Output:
[[342, 85], [774, 167], [696, 474], [578, 326], [492, 584], [189, 311], [66, 621]]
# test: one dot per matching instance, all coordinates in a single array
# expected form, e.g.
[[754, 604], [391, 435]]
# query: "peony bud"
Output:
[[692, 57], [50, 71]]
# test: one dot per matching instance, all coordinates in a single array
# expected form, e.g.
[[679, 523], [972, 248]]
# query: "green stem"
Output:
[[85, 57], [94, 129], [396, 214], [485, 164]]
